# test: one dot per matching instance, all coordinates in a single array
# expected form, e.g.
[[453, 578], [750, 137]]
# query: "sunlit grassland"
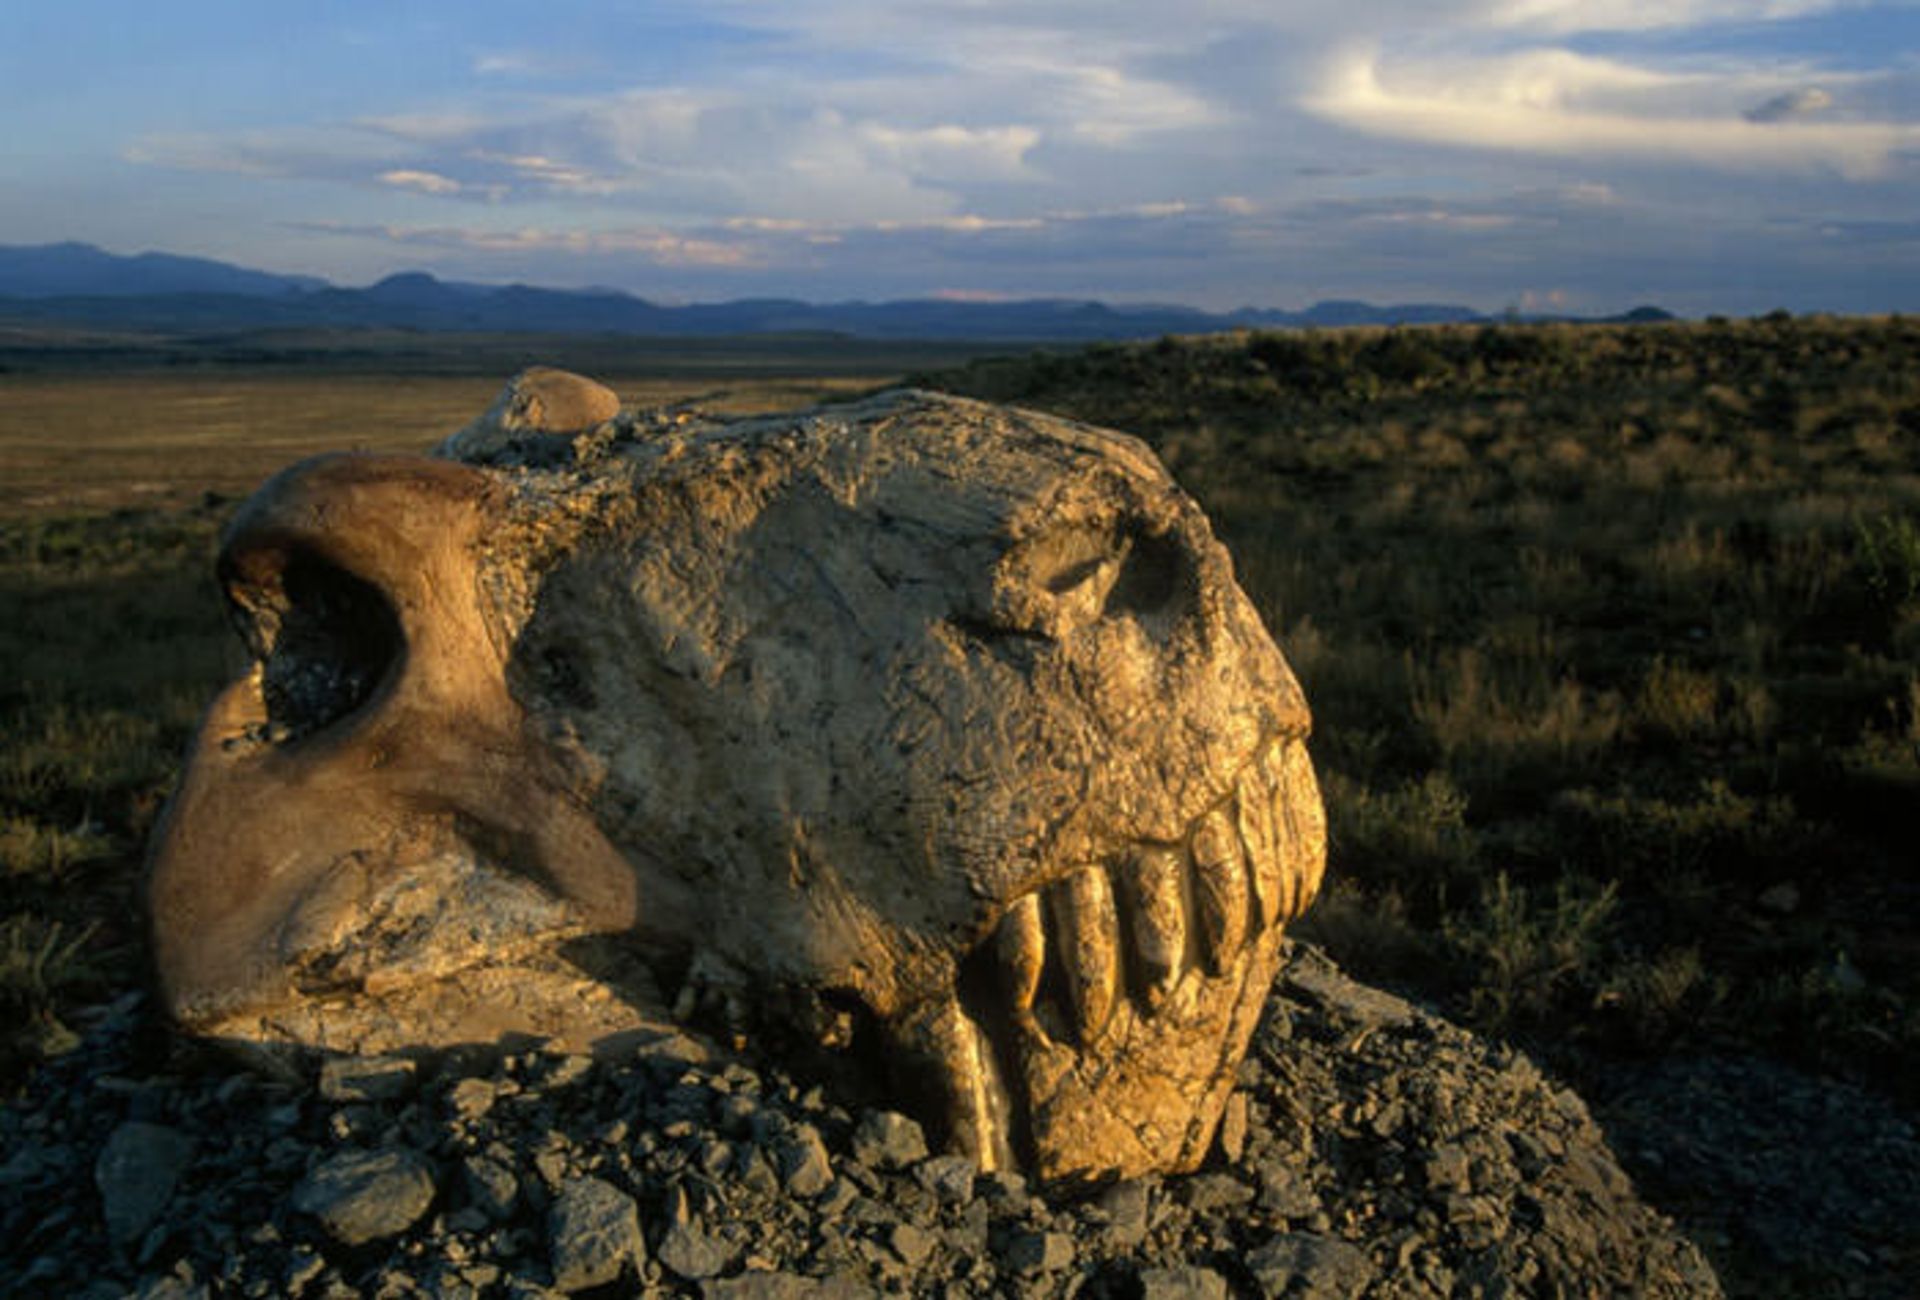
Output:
[[1613, 641], [1612, 637], [70, 445]]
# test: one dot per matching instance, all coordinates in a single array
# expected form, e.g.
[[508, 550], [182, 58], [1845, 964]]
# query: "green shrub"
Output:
[[1530, 954], [1887, 552], [1413, 835]]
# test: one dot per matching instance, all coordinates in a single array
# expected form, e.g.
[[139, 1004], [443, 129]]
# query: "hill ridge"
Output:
[[80, 284]]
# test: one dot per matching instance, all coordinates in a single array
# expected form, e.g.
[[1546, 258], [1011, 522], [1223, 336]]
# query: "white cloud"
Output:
[[965, 224], [425, 182], [423, 126], [526, 64], [1110, 106], [501, 65], [1556, 103], [1565, 16], [654, 245], [953, 153], [1589, 193], [1440, 218], [541, 170], [197, 154]]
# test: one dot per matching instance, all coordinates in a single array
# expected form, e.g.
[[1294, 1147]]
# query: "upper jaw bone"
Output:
[[1137, 926]]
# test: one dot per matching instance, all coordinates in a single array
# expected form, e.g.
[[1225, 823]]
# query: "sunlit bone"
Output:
[[944, 722]]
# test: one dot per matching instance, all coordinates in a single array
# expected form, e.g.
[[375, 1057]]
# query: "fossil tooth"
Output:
[[957, 1060], [1266, 858], [1152, 898], [1303, 830], [1020, 949], [1219, 891], [1087, 945]]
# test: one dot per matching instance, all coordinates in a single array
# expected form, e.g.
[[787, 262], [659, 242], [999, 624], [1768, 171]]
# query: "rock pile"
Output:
[[1370, 1148]]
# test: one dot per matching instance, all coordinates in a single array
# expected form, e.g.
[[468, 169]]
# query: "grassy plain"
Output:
[[94, 423], [1612, 634]]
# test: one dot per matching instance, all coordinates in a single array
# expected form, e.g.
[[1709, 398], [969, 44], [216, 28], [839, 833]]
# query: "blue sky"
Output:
[[1710, 155]]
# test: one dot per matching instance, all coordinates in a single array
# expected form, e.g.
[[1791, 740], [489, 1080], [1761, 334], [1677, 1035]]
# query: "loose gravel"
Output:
[[1370, 1149]]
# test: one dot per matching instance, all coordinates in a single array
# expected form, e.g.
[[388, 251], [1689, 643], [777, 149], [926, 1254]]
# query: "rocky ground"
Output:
[[1802, 1186], [1372, 1149]]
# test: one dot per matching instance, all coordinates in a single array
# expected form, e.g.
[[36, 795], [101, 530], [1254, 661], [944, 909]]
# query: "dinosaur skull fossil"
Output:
[[942, 720]]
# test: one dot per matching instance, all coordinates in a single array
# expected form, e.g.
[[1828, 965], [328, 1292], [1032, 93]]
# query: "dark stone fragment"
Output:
[[784, 1286], [693, 1253], [886, 1139], [593, 1234], [910, 1243], [136, 1174], [1182, 1282], [949, 1178], [366, 1078], [1125, 1206], [1212, 1193], [1311, 1268], [1028, 1253], [1233, 1128], [491, 1186], [362, 1196], [1283, 1193], [802, 1157]]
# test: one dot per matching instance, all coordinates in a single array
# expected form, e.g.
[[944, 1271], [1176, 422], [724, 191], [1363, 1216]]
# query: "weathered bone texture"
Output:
[[941, 727], [539, 400]]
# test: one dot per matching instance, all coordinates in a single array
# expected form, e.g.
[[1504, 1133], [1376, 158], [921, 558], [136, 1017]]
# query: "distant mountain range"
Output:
[[83, 271], [78, 284]]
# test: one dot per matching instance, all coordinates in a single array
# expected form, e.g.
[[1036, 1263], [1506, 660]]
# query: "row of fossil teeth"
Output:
[[1137, 926]]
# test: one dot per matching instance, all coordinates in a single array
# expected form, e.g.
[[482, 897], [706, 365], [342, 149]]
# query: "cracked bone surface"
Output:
[[942, 727]]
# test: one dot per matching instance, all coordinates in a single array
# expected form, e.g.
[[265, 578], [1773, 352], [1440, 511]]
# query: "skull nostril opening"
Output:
[[1156, 582], [325, 639]]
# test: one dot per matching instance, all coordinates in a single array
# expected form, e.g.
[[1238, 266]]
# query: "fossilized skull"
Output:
[[940, 720]]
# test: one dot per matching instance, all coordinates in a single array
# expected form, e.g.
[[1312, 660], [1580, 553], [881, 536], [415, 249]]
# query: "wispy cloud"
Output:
[[1562, 17], [425, 182], [508, 64], [1559, 103], [650, 244], [340, 153]]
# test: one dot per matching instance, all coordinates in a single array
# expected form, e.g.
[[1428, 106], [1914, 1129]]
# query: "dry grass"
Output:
[[1610, 633], [158, 440]]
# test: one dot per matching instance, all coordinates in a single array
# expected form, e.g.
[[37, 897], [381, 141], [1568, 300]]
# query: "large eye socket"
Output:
[[325, 638]]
